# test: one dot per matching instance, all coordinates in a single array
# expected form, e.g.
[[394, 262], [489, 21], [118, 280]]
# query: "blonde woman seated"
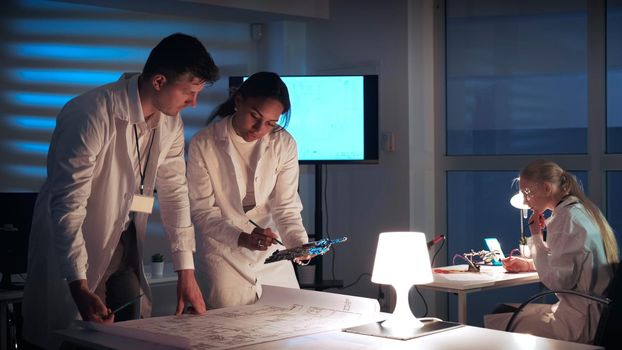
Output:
[[579, 253]]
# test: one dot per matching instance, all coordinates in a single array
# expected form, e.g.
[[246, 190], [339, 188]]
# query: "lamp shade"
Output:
[[402, 258], [518, 201]]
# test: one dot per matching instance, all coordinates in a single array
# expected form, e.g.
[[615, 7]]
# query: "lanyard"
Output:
[[140, 166]]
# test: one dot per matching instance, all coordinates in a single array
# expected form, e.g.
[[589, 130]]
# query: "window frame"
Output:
[[596, 162]]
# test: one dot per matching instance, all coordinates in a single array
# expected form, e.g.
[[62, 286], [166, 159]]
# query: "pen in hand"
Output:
[[133, 300], [261, 228]]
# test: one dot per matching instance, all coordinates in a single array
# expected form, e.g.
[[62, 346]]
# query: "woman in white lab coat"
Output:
[[243, 166], [580, 253]]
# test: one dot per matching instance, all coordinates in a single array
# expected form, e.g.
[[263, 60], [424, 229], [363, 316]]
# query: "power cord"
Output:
[[358, 279], [334, 252], [381, 293], [437, 251], [425, 314], [432, 264], [334, 255]]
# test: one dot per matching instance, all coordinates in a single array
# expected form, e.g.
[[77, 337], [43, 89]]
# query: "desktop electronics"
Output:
[[15, 219], [334, 118], [495, 247]]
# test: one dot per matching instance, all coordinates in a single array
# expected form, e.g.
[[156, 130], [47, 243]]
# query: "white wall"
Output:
[[393, 39]]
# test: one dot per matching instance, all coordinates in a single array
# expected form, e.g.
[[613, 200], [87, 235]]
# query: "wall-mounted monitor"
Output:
[[334, 118]]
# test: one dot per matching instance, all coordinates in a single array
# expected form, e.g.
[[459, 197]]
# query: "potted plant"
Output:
[[157, 265], [524, 247]]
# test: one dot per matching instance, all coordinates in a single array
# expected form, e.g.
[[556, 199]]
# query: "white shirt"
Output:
[[246, 155]]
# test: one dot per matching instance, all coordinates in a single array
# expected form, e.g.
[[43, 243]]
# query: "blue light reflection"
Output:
[[63, 76], [48, 6], [38, 99], [99, 28], [78, 52], [31, 171], [29, 147], [32, 123]]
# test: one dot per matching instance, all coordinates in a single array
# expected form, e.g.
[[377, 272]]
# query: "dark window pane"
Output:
[[614, 76], [516, 77], [614, 204]]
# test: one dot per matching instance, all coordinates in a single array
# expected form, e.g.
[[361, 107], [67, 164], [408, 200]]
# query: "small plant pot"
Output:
[[524, 250], [157, 269]]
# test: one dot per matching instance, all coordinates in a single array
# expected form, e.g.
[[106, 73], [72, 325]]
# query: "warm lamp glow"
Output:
[[518, 201], [402, 260]]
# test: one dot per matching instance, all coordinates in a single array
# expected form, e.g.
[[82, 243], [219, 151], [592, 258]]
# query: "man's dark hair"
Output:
[[178, 54]]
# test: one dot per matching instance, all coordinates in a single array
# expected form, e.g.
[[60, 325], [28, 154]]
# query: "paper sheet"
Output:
[[280, 313], [162, 339]]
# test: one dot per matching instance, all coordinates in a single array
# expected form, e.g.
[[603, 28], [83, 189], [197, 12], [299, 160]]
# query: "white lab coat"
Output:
[[85, 201], [231, 275], [573, 257]]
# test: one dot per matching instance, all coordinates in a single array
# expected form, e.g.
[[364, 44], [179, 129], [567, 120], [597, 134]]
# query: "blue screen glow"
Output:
[[327, 117]]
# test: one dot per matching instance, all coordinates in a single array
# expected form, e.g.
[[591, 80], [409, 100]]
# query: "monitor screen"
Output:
[[334, 118], [15, 220]]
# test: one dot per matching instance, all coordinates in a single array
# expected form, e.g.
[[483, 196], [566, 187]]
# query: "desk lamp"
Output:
[[518, 202], [402, 260]]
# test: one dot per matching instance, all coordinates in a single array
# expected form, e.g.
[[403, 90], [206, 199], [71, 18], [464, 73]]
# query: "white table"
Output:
[[490, 277], [462, 338]]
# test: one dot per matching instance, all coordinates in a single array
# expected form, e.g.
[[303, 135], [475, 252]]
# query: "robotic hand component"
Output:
[[309, 249], [474, 259]]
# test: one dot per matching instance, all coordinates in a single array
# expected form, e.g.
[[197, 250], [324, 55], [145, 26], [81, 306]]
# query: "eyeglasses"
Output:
[[529, 192]]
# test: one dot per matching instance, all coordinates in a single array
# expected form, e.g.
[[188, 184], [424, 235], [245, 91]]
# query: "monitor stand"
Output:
[[7, 284]]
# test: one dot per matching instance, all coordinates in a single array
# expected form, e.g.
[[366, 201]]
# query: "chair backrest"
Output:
[[609, 332]]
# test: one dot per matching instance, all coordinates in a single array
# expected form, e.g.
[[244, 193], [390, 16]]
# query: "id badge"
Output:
[[142, 204]]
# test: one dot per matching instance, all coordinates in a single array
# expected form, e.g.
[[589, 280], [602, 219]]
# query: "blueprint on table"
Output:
[[280, 313]]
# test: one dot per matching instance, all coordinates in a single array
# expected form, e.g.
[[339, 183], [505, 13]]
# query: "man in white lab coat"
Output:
[[111, 148]]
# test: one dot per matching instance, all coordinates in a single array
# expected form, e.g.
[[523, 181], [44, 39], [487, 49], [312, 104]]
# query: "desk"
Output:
[[490, 277], [462, 338], [7, 298]]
